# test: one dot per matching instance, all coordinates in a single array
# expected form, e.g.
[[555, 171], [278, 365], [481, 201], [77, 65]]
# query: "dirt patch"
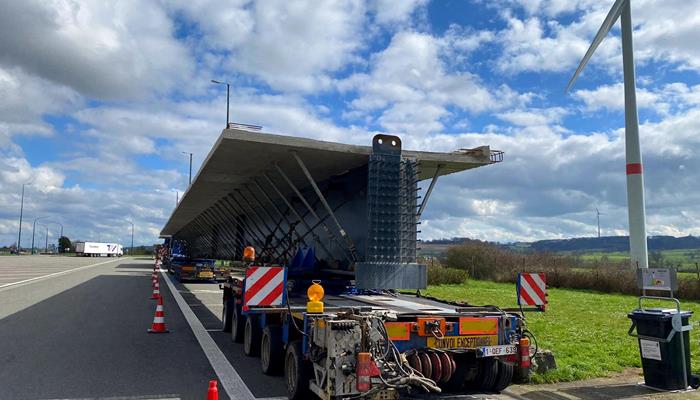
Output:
[[625, 385]]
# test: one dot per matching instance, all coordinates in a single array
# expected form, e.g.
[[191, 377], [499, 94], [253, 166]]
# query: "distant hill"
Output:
[[604, 244]]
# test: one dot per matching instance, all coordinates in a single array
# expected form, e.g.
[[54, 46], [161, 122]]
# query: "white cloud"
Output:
[[550, 182], [392, 12], [665, 31], [534, 44], [291, 46], [412, 87], [100, 49], [663, 100]]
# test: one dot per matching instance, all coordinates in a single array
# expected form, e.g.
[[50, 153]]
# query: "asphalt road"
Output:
[[83, 335], [15, 269]]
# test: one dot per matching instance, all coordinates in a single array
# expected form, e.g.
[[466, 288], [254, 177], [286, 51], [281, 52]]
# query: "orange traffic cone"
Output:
[[156, 291], [213, 392], [159, 319]]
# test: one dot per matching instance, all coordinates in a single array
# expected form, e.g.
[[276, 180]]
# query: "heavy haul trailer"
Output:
[[177, 261], [341, 219]]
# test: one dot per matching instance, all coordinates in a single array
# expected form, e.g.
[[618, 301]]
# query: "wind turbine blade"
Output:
[[608, 22]]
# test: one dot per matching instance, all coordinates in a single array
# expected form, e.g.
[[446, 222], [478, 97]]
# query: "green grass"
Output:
[[586, 331]]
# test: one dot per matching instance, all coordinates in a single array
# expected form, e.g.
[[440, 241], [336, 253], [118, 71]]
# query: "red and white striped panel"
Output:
[[264, 286], [532, 289]]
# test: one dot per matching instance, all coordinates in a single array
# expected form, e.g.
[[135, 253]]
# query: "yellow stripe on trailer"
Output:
[[398, 330], [478, 326]]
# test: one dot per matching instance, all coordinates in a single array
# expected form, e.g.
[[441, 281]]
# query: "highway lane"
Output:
[[14, 269], [83, 335]]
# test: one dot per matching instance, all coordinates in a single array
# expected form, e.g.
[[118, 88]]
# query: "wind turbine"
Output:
[[635, 180], [597, 213]]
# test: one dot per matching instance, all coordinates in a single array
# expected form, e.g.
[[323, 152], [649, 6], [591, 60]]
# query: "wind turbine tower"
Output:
[[597, 213], [633, 154]]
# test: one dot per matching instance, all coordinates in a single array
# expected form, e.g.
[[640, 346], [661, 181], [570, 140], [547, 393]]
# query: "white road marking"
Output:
[[230, 381], [27, 281]]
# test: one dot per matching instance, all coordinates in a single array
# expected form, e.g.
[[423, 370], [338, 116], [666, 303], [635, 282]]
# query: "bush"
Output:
[[438, 275], [488, 261]]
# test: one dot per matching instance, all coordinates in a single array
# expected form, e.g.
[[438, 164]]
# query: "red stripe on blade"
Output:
[[634, 169]]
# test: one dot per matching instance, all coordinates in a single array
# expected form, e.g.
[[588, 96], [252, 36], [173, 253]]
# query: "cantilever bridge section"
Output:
[[349, 209]]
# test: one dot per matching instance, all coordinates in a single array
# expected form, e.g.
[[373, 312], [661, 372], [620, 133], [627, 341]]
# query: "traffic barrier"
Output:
[[156, 291], [213, 392], [159, 319]]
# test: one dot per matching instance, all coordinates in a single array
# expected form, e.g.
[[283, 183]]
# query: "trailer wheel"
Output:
[[505, 376], [237, 324], [226, 316], [251, 337], [297, 372], [271, 350], [486, 373]]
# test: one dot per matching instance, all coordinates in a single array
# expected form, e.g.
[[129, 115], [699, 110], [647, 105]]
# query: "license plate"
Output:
[[493, 351], [462, 342], [206, 274]]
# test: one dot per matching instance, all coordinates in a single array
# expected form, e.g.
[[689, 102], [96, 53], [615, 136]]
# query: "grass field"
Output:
[[587, 331], [685, 258]]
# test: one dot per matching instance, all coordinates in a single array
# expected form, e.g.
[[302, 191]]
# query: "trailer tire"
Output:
[[505, 376], [486, 373], [459, 375], [237, 324], [226, 316], [297, 372], [251, 337], [271, 350]]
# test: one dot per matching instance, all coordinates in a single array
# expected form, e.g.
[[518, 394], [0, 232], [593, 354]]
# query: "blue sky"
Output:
[[98, 101]]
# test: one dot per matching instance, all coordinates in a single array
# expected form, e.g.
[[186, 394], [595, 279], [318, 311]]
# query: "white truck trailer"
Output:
[[95, 249]]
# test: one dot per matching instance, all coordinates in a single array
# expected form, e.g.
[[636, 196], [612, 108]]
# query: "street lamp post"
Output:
[[21, 212], [131, 249], [33, 229], [184, 152], [46, 242], [228, 92]]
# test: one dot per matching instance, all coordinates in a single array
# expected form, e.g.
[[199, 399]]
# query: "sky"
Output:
[[98, 100]]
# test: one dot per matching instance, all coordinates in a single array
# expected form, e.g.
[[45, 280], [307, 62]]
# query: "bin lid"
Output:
[[657, 313]]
